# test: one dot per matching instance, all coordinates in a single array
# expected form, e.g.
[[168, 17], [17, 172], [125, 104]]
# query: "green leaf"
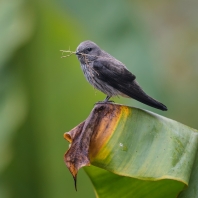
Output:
[[108, 184], [142, 155]]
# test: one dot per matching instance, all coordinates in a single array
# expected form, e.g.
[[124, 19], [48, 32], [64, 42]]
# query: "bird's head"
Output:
[[88, 50]]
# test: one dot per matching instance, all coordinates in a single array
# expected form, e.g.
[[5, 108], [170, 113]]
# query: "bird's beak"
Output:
[[78, 53]]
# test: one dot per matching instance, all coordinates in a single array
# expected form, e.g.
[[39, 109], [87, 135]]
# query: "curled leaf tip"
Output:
[[67, 137]]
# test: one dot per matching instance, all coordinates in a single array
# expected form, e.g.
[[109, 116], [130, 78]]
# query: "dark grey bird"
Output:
[[110, 76]]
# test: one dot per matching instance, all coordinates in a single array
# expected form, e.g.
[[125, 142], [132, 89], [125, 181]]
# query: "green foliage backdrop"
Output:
[[42, 95]]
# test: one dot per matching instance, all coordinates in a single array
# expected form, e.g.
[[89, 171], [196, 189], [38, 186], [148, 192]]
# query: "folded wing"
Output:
[[117, 76]]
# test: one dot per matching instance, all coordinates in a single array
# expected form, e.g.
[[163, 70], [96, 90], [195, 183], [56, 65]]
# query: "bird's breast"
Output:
[[88, 72], [92, 77]]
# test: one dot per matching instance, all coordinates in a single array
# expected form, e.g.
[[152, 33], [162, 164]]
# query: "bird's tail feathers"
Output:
[[137, 93]]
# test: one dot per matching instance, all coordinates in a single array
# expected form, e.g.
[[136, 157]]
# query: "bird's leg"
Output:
[[107, 99]]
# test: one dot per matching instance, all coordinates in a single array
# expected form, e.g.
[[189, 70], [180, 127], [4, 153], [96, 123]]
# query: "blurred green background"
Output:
[[42, 95]]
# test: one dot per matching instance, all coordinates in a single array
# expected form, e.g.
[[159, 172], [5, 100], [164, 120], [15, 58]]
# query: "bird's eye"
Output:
[[89, 49]]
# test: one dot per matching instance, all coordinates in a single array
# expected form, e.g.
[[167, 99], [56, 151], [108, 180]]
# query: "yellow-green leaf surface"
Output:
[[143, 155]]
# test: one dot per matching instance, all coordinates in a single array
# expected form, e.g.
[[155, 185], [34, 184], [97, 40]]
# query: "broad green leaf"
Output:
[[143, 154], [108, 184], [192, 190]]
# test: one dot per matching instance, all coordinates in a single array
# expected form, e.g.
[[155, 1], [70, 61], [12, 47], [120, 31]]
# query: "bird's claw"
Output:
[[104, 102]]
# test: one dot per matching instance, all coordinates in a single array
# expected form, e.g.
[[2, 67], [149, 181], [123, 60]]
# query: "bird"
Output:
[[110, 76]]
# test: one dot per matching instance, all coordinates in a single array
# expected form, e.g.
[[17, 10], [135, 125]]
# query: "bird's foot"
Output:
[[104, 102]]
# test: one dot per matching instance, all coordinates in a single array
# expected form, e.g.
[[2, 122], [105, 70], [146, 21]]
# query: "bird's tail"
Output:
[[137, 93]]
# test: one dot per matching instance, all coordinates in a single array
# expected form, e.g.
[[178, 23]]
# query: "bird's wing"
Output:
[[112, 73]]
